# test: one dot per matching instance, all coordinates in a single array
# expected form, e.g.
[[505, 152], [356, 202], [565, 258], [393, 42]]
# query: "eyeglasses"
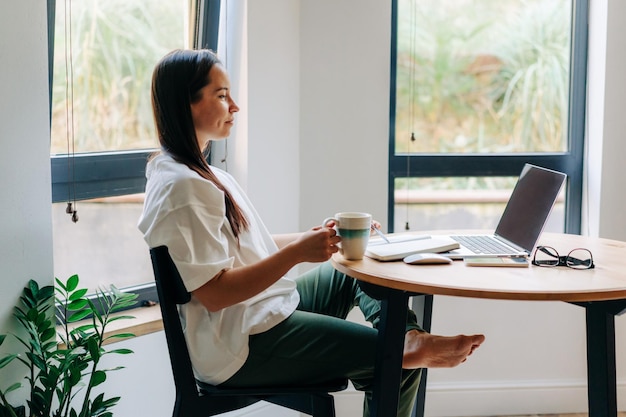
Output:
[[578, 258]]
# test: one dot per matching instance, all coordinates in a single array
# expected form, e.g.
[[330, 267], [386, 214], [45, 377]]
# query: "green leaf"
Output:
[[79, 339], [125, 301], [44, 324], [116, 318], [94, 349], [120, 336], [33, 286], [76, 305], [111, 401], [13, 387], [60, 284], [41, 319], [96, 406], [37, 361], [39, 397], [117, 368], [78, 294], [48, 334], [50, 346], [7, 360], [32, 315], [28, 299], [78, 316], [46, 293], [98, 378], [74, 376], [53, 375], [84, 328], [95, 311], [120, 351], [33, 343], [72, 283]]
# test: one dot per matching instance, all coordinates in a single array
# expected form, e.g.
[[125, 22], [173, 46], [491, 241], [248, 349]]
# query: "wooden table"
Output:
[[601, 291]]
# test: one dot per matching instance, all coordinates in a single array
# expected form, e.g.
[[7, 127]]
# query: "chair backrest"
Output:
[[172, 292]]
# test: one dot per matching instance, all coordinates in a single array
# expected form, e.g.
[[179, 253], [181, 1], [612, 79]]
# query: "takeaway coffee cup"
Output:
[[354, 229]]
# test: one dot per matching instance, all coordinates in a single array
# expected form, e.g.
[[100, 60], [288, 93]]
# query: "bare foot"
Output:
[[424, 350]]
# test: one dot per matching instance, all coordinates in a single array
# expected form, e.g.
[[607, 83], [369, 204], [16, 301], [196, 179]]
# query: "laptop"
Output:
[[523, 220]]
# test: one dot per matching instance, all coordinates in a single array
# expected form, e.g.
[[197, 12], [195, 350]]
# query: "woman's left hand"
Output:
[[375, 224]]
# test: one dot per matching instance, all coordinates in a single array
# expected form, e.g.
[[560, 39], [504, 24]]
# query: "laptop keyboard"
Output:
[[483, 244]]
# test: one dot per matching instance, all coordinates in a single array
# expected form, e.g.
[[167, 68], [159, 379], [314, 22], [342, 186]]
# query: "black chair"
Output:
[[197, 399]]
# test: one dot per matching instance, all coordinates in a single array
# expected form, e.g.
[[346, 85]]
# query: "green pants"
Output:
[[316, 343]]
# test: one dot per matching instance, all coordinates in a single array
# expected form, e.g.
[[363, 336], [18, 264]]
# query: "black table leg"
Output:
[[601, 374], [390, 346], [423, 307]]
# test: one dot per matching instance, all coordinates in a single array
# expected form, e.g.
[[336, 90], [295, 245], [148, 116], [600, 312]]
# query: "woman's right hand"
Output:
[[317, 244]]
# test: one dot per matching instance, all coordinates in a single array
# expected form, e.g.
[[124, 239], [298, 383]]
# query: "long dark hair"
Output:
[[176, 83]]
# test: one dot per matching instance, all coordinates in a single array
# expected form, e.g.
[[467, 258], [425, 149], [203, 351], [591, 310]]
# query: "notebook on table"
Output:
[[400, 246], [523, 220]]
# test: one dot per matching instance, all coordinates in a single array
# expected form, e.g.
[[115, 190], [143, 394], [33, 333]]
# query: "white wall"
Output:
[[606, 121], [344, 70], [274, 172], [25, 220], [318, 77], [311, 112]]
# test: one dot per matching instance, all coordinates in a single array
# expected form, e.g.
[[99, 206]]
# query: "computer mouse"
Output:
[[427, 259]]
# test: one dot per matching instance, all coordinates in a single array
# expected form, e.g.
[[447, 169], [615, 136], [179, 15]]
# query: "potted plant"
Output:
[[63, 356]]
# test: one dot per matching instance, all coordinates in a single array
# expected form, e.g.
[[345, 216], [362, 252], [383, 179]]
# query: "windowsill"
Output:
[[146, 320]]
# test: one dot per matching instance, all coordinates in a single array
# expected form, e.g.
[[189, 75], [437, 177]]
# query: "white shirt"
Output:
[[187, 213]]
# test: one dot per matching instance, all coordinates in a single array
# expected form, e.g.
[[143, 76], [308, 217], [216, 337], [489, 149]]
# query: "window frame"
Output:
[[496, 164], [106, 174]]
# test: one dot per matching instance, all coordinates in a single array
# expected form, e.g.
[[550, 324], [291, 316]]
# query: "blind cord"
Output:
[[71, 208]]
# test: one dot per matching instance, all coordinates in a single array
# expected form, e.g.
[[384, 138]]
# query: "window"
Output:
[[102, 127], [478, 89]]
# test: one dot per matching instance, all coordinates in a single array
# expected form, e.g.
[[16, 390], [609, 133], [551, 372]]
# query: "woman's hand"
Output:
[[375, 225], [317, 244]]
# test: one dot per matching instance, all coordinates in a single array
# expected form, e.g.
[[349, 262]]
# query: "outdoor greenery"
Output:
[[63, 363], [472, 76], [483, 76], [114, 47]]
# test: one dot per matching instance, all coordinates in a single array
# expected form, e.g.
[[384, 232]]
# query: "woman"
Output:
[[247, 324]]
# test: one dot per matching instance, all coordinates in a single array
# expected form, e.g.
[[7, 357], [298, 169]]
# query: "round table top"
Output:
[[607, 281]]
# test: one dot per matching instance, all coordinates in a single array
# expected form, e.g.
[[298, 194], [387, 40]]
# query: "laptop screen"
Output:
[[530, 205]]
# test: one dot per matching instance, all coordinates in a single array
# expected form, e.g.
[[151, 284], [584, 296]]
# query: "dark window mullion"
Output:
[[451, 165], [209, 29], [85, 176], [577, 113]]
